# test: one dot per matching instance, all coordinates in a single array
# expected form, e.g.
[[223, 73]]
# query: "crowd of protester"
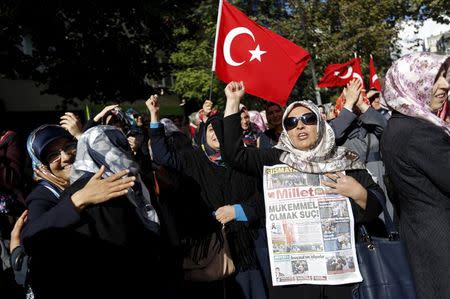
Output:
[[119, 202]]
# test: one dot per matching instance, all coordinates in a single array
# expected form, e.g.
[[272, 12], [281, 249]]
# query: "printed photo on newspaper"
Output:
[[310, 233]]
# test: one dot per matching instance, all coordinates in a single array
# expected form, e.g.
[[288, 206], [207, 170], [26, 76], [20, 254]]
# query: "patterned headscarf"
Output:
[[409, 85], [108, 146], [325, 156]]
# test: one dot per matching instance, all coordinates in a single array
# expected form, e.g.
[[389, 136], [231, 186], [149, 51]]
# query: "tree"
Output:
[[332, 31], [90, 50]]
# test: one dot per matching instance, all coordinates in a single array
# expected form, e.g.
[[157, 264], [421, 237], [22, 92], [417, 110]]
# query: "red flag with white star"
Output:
[[374, 81], [268, 64]]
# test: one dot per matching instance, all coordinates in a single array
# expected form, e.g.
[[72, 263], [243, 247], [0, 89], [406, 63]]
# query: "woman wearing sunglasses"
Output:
[[306, 144]]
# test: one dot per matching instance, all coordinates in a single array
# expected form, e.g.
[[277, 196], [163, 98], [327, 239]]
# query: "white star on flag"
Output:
[[256, 54]]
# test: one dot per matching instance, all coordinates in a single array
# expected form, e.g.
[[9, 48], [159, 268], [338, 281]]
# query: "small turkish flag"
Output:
[[341, 74], [374, 81], [268, 64]]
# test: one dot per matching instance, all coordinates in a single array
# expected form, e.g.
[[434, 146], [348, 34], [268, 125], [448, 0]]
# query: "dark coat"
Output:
[[417, 159], [253, 161], [97, 253], [215, 187]]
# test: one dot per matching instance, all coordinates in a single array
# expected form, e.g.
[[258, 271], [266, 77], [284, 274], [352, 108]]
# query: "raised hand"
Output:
[[352, 93], [207, 106], [361, 104], [71, 123], [153, 107], [234, 91], [104, 111], [99, 190], [346, 186]]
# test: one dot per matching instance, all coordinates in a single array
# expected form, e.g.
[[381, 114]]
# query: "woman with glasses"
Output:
[[51, 215], [306, 144]]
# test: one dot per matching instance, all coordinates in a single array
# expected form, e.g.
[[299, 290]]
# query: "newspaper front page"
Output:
[[310, 233]]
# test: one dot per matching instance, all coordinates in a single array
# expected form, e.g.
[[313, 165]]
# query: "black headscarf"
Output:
[[225, 186], [217, 124]]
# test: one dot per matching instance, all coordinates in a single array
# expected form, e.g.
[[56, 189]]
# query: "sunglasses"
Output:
[[69, 148], [309, 118]]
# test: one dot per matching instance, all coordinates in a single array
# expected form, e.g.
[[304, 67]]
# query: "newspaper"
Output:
[[310, 233]]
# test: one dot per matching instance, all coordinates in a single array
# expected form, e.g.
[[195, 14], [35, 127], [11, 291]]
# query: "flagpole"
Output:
[[313, 68], [213, 68], [219, 15]]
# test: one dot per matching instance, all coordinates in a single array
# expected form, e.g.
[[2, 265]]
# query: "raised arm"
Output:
[[352, 95], [161, 152], [371, 120], [249, 160], [374, 121]]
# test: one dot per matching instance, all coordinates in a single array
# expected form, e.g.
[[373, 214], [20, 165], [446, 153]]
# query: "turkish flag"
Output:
[[374, 81], [268, 64], [341, 74]]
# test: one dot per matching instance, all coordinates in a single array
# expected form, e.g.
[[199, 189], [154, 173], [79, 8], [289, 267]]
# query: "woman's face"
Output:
[[274, 115], [245, 120], [303, 137], [323, 113], [211, 138], [60, 157], [440, 92]]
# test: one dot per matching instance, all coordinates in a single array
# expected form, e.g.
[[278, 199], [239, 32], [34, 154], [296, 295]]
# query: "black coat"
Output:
[[253, 162], [417, 159], [215, 186], [97, 253]]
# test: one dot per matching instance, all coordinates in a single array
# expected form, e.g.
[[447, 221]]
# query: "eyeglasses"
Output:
[[309, 118], [69, 148]]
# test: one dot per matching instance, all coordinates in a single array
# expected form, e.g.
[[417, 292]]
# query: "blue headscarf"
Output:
[[36, 143]]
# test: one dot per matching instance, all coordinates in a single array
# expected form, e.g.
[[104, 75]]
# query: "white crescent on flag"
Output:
[[229, 39], [347, 75], [374, 78], [357, 76]]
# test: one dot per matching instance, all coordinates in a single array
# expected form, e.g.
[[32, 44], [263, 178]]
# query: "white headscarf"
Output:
[[108, 146], [324, 156]]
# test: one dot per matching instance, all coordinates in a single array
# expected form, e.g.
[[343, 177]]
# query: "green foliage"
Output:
[[90, 50], [104, 52]]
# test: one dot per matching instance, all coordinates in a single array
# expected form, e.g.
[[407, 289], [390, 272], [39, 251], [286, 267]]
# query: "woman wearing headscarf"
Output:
[[225, 199], [250, 132], [359, 127], [416, 151], [307, 145], [91, 239]]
